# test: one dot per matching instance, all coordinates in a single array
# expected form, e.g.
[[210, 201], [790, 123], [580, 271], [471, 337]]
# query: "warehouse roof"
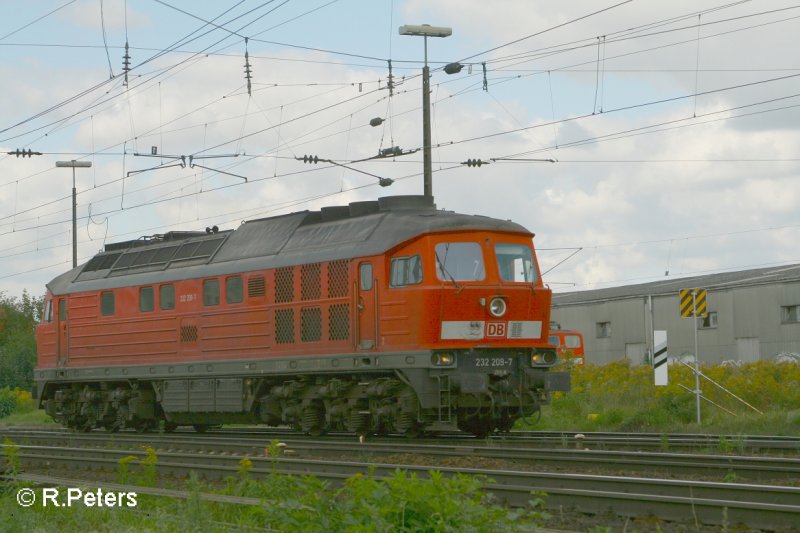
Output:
[[719, 281]]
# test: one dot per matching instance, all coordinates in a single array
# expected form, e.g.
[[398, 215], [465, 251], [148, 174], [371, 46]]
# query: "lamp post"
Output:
[[73, 164], [426, 31]]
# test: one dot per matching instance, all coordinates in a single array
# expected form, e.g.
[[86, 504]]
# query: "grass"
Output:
[[401, 502], [614, 397], [36, 417], [621, 397]]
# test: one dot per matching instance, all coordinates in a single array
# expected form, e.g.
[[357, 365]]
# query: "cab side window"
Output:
[[146, 299], [107, 303], [166, 297], [406, 271], [234, 291], [365, 276], [211, 292]]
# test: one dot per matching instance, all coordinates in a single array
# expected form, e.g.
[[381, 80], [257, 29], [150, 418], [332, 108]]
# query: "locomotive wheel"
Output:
[[413, 432], [480, 426], [169, 427], [316, 431], [143, 426], [533, 418], [200, 428], [506, 421]]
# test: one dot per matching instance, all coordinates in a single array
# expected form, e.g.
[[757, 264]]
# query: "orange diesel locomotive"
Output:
[[568, 343], [380, 316]]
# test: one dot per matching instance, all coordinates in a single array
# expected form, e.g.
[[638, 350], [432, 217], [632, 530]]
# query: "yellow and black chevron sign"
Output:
[[690, 306]]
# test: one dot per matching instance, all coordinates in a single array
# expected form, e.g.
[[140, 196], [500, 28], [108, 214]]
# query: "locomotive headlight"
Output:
[[497, 307], [442, 359], [543, 358]]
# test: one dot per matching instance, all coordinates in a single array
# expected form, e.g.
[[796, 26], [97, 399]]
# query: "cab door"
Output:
[[367, 336], [62, 348]]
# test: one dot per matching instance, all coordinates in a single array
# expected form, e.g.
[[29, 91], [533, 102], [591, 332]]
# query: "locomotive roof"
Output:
[[341, 232]]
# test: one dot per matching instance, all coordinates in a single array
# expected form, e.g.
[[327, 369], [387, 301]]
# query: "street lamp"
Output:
[[73, 164], [426, 31]]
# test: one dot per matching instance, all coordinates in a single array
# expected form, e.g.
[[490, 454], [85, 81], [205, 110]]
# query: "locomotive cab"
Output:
[[482, 310]]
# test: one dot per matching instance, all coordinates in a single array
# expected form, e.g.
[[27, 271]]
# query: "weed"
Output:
[[148, 475], [123, 469], [275, 449], [195, 512], [725, 445], [11, 453]]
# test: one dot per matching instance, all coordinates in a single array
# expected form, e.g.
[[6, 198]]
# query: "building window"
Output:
[[107, 303], [234, 290], [146, 297], [603, 330], [790, 314], [211, 292], [166, 297], [406, 271], [709, 321]]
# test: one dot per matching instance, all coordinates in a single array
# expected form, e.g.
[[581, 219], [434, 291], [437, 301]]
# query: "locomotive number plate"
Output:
[[491, 363]]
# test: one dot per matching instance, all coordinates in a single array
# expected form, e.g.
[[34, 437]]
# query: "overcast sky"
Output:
[[647, 138]]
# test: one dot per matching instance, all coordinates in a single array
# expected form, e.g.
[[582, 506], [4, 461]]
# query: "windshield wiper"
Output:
[[443, 269]]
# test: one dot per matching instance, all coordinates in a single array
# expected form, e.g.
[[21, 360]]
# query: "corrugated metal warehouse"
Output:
[[752, 315]]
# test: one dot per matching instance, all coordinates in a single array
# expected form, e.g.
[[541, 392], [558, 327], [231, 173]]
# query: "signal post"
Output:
[[693, 304]]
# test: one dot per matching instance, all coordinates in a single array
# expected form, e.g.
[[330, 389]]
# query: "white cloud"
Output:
[[660, 211]]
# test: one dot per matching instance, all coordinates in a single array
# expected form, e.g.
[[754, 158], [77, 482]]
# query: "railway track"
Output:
[[708, 466], [757, 505], [777, 444]]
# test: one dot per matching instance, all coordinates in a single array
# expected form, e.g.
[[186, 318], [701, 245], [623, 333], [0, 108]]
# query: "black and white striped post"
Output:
[[660, 358]]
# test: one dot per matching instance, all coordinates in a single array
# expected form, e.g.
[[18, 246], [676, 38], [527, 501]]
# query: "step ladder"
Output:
[[444, 398]]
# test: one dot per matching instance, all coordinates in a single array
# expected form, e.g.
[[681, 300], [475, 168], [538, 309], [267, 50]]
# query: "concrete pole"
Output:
[[427, 170], [696, 356], [74, 221]]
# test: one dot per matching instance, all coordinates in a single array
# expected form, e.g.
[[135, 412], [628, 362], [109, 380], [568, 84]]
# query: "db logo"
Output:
[[496, 329]]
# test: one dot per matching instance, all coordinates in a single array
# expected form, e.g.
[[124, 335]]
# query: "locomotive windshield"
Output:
[[459, 261], [515, 262]]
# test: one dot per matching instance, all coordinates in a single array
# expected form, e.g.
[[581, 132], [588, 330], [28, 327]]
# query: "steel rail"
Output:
[[762, 506], [713, 466], [677, 440], [565, 439]]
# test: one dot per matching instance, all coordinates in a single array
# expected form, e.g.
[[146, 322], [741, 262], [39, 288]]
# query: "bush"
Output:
[[622, 397], [15, 401], [8, 402]]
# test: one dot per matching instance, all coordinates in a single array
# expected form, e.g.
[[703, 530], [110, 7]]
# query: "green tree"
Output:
[[18, 319]]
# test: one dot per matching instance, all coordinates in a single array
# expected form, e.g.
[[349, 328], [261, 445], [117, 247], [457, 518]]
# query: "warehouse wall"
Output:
[[749, 325]]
